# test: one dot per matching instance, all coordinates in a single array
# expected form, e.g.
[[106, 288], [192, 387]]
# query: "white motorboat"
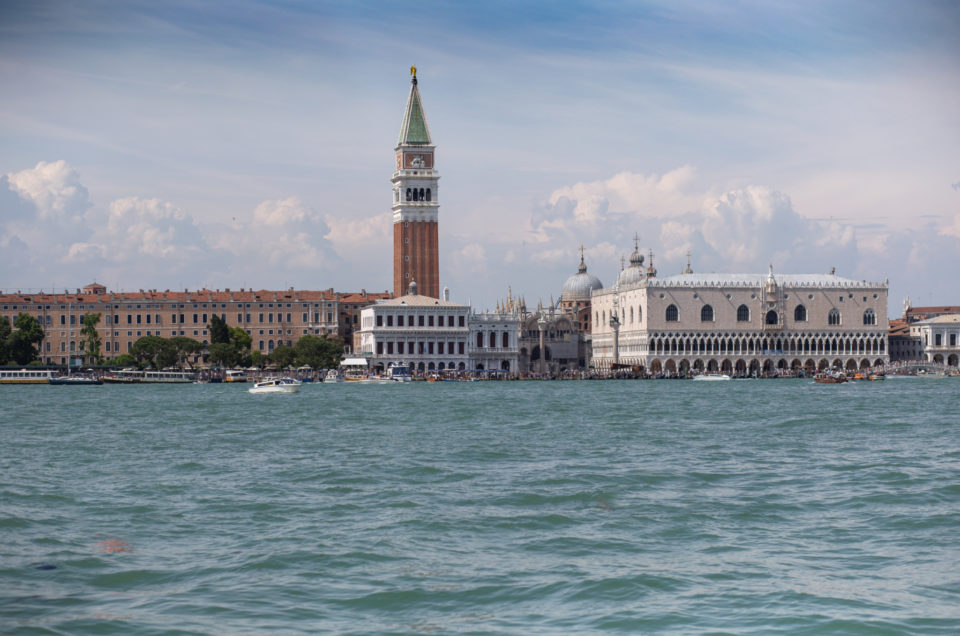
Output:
[[399, 372], [712, 377], [276, 385], [332, 377]]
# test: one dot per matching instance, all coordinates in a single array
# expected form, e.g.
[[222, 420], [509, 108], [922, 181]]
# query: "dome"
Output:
[[634, 273], [579, 286]]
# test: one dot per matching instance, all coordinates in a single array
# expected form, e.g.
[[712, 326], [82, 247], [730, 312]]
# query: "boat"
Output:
[[276, 385], [829, 377], [354, 369], [235, 375], [169, 377], [26, 376], [76, 380], [712, 377], [124, 376], [332, 377], [399, 372]]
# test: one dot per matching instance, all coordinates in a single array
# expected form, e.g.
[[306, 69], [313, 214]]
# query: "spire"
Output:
[[688, 270], [414, 129], [583, 266], [651, 270]]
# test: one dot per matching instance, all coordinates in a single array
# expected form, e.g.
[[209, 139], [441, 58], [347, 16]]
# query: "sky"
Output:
[[175, 145]]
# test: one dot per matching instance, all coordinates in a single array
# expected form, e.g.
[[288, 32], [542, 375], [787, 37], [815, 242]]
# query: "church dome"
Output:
[[634, 273], [579, 286]]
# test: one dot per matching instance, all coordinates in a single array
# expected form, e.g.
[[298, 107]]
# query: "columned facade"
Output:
[[742, 324], [415, 203]]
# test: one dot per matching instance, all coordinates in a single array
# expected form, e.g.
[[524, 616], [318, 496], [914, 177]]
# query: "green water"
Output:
[[775, 506]]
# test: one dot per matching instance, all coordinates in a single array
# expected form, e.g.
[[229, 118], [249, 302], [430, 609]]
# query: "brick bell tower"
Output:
[[415, 206]]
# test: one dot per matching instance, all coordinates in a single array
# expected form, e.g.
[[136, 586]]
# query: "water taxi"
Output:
[[332, 377], [354, 369], [830, 377], [276, 385], [712, 377], [26, 376]]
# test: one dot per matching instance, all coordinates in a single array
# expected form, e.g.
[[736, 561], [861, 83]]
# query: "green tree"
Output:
[[240, 338], [219, 331], [223, 354], [20, 343], [124, 360], [185, 348], [92, 338], [147, 349], [257, 359], [283, 356], [319, 353], [5, 331], [167, 356]]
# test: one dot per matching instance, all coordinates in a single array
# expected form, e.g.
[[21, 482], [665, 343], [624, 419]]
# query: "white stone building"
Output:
[[427, 333], [738, 323], [940, 339], [494, 341]]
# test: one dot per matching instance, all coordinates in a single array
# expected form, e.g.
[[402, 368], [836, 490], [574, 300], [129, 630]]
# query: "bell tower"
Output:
[[415, 205]]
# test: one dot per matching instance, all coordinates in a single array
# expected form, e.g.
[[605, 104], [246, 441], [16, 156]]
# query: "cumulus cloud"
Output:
[[54, 188], [147, 228], [349, 236], [283, 234]]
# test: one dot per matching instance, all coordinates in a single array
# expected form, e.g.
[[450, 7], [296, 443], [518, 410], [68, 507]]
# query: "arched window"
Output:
[[479, 340], [639, 314], [834, 317], [631, 315], [706, 314], [772, 318], [422, 195], [673, 315], [409, 194], [428, 194], [743, 313], [869, 317], [800, 314]]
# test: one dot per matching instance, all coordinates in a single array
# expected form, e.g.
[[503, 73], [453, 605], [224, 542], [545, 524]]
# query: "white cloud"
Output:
[[54, 188]]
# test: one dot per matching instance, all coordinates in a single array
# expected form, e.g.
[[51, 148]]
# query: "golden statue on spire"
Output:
[[413, 71]]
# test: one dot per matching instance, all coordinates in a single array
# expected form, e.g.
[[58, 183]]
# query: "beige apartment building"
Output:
[[272, 318]]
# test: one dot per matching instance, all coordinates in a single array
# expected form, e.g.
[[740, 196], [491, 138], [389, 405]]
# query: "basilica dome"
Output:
[[579, 286], [634, 273]]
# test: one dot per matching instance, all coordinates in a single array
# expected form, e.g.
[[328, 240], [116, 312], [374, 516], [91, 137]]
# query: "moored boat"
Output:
[[332, 377], [76, 380], [26, 376], [235, 375], [399, 372], [276, 385], [829, 377]]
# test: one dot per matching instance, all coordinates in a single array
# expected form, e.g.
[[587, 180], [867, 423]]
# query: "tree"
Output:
[[240, 338], [219, 331], [20, 343], [257, 359], [167, 356], [283, 356], [92, 338], [125, 360], [223, 354], [5, 331], [319, 353], [147, 348], [185, 347]]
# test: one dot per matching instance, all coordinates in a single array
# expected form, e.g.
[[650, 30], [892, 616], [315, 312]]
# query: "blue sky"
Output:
[[250, 144]]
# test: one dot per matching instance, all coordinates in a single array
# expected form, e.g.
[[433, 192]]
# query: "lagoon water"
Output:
[[775, 506]]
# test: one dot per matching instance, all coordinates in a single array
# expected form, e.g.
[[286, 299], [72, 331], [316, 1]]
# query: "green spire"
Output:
[[414, 128]]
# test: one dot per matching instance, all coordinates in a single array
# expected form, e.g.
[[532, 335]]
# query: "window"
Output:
[[639, 314], [743, 313], [869, 317], [673, 314], [430, 321], [834, 317], [400, 321], [953, 340], [493, 339], [420, 321], [460, 346], [772, 318], [460, 323], [937, 339], [506, 339], [706, 314], [379, 348], [389, 321], [379, 321], [479, 340], [800, 314]]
